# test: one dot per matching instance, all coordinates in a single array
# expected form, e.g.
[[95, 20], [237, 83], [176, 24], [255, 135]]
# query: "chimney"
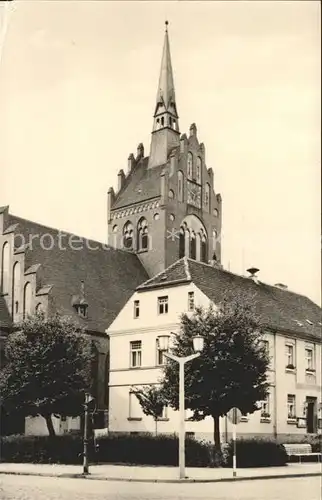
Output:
[[140, 152], [120, 179], [281, 285], [130, 163], [252, 274]]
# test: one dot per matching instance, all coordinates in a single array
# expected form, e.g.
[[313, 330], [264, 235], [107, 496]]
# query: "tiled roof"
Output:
[[279, 309], [110, 276], [141, 184]]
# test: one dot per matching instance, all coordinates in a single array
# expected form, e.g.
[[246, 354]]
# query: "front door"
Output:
[[311, 415]]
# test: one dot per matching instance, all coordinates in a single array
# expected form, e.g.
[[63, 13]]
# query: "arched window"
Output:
[[16, 279], [187, 243], [128, 235], [198, 246], [39, 308], [181, 242], [143, 241], [198, 170], [193, 246], [5, 271], [180, 186], [207, 197], [204, 249], [189, 166], [162, 121], [27, 300]]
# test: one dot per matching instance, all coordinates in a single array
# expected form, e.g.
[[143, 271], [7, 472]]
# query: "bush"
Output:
[[115, 448], [315, 440], [256, 453]]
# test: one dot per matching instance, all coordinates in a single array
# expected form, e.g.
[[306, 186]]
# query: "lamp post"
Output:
[[198, 342]]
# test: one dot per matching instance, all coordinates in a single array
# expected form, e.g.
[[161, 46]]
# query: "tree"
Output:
[[151, 399], [232, 368], [48, 369]]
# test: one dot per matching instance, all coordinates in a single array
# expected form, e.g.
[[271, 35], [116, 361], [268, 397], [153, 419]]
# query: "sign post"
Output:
[[234, 416], [88, 400]]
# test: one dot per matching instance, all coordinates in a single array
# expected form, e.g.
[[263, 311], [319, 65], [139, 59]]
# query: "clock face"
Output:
[[194, 194]]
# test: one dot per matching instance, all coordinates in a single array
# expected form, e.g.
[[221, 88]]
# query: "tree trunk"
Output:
[[216, 432], [156, 426], [217, 446], [49, 423]]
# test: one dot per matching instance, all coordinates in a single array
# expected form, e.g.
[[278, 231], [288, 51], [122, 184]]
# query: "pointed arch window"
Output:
[[16, 280], [181, 243], [187, 242], [180, 185], [207, 197], [198, 170], [27, 300], [189, 165], [193, 250], [204, 250], [128, 235], [5, 271], [143, 238]]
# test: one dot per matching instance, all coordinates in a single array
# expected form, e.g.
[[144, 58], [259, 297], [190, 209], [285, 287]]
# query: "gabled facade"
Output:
[[166, 206], [292, 325], [44, 269]]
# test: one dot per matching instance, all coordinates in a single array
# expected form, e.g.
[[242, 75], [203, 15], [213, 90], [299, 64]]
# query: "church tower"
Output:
[[165, 134], [165, 206]]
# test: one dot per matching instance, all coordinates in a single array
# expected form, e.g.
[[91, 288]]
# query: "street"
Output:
[[52, 488]]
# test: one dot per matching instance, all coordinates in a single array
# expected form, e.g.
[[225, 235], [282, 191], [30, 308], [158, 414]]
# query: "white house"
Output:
[[292, 330]]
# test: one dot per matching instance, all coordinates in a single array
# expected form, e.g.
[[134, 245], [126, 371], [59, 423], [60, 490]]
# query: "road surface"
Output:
[[51, 488]]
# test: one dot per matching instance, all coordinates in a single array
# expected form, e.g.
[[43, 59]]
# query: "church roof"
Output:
[[279, 309], [141, 184], [110, 276], [166, 92]]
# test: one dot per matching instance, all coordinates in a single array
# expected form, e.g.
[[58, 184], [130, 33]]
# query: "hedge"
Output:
[[115, 448], [256, 453]]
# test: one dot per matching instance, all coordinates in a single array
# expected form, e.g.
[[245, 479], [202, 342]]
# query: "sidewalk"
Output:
[[161, 474]]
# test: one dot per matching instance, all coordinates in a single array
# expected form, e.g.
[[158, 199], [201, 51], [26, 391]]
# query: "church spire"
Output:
[[165, 134], [166, 93]]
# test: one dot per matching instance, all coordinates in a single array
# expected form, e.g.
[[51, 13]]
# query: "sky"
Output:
[[78, 82]]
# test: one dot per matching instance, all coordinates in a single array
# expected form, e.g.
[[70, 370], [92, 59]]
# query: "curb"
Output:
[[187, 480]]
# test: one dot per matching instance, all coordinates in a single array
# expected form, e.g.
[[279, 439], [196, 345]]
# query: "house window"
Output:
[[27, 300], [143, 234], [136, 308], [191, 301], [5, 260], [163, 305], [136, 354], [266, 346], [164, 415], [198, 170], [135, 412], [291, 408], [82, 310], [160, 354], [180, 186], [128, 235], [309, 364], [189, 166], [289, 356], [265, 411]]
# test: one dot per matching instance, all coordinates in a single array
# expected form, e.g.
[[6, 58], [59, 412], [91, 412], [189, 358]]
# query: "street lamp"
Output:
[[198, 342]]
